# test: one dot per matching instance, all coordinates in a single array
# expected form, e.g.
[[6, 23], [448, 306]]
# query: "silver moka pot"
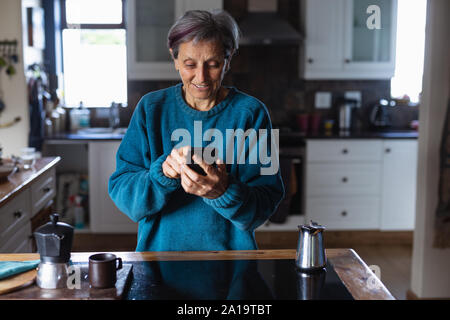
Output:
[[310, 250], [54, 243]]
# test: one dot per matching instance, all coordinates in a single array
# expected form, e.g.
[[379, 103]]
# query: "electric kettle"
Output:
[[379, 117], [310, 251]]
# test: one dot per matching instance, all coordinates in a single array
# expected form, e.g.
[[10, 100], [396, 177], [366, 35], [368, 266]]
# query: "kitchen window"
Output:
[[410, 50], [94, 52]]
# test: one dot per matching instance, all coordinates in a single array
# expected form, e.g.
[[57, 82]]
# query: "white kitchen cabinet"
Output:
[[341, 179], [15, 226], [343, 150], [343, 183], [399, 185], [20, 241], [339, 44], [104, 215], [323, 42], [369, 184], [148, 23], [43, 190], [28, 202], [348, 212]]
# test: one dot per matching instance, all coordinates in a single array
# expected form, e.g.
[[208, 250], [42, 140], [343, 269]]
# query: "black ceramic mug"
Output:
[[102, 270]]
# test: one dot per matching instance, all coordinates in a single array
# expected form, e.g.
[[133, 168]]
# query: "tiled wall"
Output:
[[271, 75]]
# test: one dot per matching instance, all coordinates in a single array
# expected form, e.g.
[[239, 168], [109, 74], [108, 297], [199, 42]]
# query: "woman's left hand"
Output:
[[211, 186]]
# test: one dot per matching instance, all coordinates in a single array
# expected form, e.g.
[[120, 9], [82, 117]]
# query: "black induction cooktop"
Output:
[[233, 280]]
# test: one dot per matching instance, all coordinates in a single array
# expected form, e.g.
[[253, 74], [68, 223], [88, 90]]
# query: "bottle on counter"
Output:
[[56, 122], [79, 118], [78, 211], [48, 127], [62, 118], [74, 120], [84, 116]]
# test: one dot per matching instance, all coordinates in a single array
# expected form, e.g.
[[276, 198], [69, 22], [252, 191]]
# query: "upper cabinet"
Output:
[[349, 39], [148, 23]]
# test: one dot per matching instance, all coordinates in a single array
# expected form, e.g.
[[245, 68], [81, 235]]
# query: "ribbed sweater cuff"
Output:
[[157, 174], [235, 194]]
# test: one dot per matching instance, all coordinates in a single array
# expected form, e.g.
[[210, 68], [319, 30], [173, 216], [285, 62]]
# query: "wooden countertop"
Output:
[[351, 269], [21, 179]]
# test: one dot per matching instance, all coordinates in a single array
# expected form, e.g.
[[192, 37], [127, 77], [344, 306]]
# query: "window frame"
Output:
[[76, 26], [65, 25]]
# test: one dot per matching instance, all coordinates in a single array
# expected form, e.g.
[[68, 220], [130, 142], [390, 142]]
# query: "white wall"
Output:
[[14, 88], [430, 276]]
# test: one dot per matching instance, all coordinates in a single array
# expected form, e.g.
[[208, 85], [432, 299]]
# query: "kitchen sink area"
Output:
[[101, 131], [92, 133]]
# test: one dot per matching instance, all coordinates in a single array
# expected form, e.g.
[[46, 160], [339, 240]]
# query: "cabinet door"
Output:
[[148, 23], [13, 217], [370, 52], [344, 212], [334, 179], [104, 215], [19, 242], [398, 198], [185, 5], [324, 38], [43, 190], [343, 150]]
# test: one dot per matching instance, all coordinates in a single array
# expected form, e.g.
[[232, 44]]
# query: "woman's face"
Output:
[[202, 67]]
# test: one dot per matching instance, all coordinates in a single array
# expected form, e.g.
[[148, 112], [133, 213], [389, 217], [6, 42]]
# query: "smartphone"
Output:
[[199, 151]]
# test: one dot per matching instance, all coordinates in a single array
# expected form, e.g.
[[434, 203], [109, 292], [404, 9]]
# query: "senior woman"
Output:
[[177, 208]]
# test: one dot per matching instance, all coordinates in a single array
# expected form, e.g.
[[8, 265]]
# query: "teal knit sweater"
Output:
[[171, 219]]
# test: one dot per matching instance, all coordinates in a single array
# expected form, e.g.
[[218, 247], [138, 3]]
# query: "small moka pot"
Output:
[[310, 250], [54, 243]]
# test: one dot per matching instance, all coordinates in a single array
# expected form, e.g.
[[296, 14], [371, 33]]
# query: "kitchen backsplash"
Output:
[[271, 74]]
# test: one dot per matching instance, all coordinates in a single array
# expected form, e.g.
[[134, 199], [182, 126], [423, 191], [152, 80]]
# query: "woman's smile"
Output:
[[201, 87]]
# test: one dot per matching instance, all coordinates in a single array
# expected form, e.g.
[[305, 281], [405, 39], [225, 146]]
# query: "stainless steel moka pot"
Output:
[[54, 243], [310, 250]]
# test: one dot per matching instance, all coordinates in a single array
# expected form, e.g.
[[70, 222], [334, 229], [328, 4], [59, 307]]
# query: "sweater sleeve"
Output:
[[139, 187], [253, 197]]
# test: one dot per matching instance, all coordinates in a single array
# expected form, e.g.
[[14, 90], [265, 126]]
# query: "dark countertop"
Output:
[[286, 138], [299, 138], [410, 134], [88, 137], [157, 275]]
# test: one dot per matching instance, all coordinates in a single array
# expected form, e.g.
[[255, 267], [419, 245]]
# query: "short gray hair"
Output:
[[198, 25]]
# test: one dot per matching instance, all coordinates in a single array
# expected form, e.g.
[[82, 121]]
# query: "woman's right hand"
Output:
[[172, 165]]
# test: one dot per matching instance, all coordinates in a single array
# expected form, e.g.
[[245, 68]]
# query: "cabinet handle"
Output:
[[344, 151], [344, 179], [17, 214], [344, 213], [310, 60], [388, 150], [347, 60]]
